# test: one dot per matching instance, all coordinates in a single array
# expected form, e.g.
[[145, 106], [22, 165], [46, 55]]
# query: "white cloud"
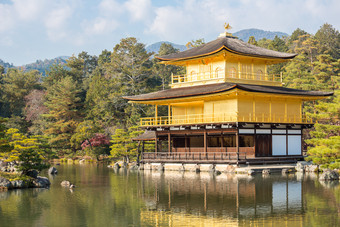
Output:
[[7, 18], [56, 22], [109, 8], [28, 9], [139, 10], [191, 19], [100, 26]]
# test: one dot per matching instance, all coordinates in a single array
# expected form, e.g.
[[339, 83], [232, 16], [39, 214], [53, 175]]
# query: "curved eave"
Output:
[[225, 91], [167, 61]]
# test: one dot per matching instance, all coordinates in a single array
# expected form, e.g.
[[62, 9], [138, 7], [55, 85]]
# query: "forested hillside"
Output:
[[5, 65], [79, 109], [258, 34], [44, 65]]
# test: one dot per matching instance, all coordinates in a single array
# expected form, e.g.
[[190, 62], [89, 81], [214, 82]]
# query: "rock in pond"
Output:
[[65, 183], [33, 173], [5, 182], [41, 182], [266, 171], [52, 170], [329, 175], [19, 184], [312, 168]]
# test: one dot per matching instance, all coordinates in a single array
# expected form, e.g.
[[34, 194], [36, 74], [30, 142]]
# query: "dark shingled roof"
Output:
[[146, 136], [221, 87], [230, 44]]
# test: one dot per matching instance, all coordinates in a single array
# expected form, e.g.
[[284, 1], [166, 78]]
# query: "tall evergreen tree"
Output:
[[329, 38], [129, 70], [64, 105], [16, 84], [162, 71]]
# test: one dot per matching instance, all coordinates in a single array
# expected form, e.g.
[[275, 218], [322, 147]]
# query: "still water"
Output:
[[107, 198]]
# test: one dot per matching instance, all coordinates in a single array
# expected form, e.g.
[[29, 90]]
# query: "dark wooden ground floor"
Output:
[[252, 144]]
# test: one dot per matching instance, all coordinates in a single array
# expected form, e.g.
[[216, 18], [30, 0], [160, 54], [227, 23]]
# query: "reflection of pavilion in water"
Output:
[[233, 198]]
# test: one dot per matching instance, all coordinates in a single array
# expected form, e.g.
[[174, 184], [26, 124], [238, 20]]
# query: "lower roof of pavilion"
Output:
[[218, 88]]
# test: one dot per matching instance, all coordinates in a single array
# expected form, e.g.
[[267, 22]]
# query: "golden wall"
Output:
[[242, 108]]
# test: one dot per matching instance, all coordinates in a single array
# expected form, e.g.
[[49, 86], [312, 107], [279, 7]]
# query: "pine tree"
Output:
[[64, 105], [325, 138], [16, 84], [122, 144]]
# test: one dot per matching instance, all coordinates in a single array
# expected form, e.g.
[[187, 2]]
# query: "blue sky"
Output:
[[44, 29]]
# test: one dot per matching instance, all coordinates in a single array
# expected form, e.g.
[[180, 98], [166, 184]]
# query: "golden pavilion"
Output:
[[227, 108]]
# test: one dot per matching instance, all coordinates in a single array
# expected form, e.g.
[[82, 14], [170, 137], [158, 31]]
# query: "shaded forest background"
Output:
[[77, 108]]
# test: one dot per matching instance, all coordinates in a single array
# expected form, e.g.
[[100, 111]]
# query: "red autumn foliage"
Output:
[[97, 141]]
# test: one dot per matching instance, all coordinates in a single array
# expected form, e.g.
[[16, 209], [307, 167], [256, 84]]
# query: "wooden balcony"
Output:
[[192, 157], [195, 119], [223, 76]]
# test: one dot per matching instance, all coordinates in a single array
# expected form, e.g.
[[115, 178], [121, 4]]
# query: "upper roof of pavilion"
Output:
[[222, 87], [230, 44]]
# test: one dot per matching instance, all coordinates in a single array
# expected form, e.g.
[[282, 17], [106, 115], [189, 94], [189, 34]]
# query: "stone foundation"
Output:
[[223, 168]]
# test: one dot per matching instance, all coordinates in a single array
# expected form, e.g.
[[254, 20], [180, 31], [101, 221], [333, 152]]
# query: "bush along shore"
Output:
[[12, 178]]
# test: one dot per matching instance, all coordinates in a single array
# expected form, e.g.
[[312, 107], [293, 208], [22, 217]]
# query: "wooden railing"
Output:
[[193, 156], [221, 74], [224, 118]]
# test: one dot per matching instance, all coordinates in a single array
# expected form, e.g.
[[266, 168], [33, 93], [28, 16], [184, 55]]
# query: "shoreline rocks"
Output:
[[329, 175], [38, 182]]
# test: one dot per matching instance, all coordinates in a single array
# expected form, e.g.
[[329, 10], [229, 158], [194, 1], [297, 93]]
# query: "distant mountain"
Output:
[[44, 65], [155, 47], [40, 65], [242, 34], [6, 65], [258, 34]]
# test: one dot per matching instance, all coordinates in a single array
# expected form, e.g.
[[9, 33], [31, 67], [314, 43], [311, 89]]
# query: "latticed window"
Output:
[[193, 76], [218, 73], [259, 75], [232, 72]]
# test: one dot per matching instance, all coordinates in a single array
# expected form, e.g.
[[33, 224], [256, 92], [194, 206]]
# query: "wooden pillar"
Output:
[[156, 145], [205, 141], [169, 114], [221, 138], [254, 141], [169, 142], [252, 71], [254, 109], [270, 109], [186, 143], [156, 114], [239, 69], [286, 141], [301, 117], [143, 144], [285, 119], [237, 145]]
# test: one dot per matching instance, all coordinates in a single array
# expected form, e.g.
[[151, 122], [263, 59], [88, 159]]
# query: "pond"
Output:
[[104, 197]]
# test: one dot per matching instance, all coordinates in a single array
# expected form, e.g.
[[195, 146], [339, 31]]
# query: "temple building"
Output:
[[227, 108]]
